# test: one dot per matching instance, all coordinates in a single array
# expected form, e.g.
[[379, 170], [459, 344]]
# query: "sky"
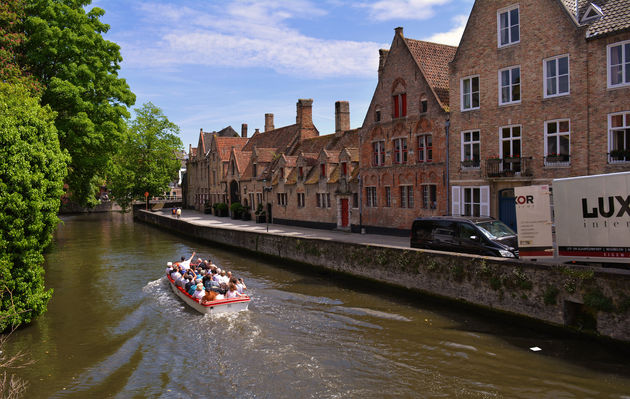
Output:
[[209, 64]]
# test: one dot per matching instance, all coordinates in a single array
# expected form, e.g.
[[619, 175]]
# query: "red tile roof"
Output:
[[433, 60], [225, 144], [279, 138]]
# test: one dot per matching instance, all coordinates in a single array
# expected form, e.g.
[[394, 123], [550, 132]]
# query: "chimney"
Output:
[[256, 131], [244, 130], [342, 116], [268, 122], [201, 131], [382, 57], [399, 31], [304, 115]]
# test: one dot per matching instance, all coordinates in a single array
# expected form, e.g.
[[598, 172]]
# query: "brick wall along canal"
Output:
[[114, 329]]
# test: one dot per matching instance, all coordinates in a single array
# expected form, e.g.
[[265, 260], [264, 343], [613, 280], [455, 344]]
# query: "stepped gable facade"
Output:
[[200, 185], [316, 183], [539, 89], [402, 149]]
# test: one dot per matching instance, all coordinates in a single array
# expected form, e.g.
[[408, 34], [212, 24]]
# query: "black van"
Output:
[[473, 235]]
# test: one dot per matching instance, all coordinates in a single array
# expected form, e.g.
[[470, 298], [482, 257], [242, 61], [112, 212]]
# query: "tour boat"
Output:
[[218, 306]]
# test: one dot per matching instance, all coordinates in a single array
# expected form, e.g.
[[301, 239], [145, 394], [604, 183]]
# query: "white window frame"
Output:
[[370, 197], [425, 149], [471, 143], [625, 66], [471, 94], [427, 190], [509, 27], [557, 136], [626, 126], [401, 153], [380, 146], [406, 196], [510, 85], [557, 77], [458, 199]]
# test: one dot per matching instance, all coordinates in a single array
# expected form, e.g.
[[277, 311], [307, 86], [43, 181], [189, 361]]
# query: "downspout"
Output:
[[447, 126], [588, 115]]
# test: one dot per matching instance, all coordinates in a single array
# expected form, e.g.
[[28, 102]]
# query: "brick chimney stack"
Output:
[[244, 130], [268, 122], [304, 115], [382, 57], [342, 116]]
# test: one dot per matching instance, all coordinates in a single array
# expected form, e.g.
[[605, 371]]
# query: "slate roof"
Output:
[[616, 16], [433, 60]]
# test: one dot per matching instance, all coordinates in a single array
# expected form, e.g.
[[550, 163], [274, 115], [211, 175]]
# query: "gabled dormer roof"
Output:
[[224, 145], [602, 17]]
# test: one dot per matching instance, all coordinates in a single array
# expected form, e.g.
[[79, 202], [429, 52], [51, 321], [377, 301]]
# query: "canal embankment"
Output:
[[593, 300]]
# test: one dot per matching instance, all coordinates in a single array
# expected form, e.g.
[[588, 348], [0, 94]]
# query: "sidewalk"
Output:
[[201, 219]]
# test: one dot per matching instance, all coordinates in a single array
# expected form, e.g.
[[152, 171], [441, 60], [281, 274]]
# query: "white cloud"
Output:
[[247, 33], [453, 36], [384, 10]]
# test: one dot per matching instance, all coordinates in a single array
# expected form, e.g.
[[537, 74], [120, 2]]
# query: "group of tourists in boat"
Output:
[[203, 281]]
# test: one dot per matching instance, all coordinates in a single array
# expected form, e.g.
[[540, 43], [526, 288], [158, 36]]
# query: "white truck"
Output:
[[592, 218]]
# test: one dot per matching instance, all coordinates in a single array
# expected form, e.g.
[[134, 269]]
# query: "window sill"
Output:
[[502, 46], [470, 109], [556, 96], [509, 104], [619, 86]]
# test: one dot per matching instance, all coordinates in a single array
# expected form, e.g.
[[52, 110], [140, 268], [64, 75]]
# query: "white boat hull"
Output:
[[219, 306]]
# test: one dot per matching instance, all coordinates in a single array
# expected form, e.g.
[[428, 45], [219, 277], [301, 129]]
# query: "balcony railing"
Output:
[[470, 164], [509, 167], [558, 160], [619, 156]]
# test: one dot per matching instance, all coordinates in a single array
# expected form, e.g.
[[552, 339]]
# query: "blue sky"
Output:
[[209, 64]]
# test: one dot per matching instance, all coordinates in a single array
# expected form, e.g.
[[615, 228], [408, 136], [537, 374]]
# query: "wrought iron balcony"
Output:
[[508, 167]]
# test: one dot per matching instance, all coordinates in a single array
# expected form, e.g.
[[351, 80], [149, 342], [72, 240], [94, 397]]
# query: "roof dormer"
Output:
[[592, 13]]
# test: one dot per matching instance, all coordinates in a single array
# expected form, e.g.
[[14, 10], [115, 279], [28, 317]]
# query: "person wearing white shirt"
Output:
[[199, 292], [185, 263]]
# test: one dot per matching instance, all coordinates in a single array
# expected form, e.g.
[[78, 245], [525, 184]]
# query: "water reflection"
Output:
[[114, 329]]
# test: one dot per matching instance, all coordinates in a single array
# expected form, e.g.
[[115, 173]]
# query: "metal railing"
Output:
[[509, 167]]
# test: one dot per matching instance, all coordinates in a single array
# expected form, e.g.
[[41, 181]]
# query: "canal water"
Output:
[[114, 329]]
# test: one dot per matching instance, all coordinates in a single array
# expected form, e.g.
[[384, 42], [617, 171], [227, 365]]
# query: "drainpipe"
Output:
[[360, 204], [447, 126]]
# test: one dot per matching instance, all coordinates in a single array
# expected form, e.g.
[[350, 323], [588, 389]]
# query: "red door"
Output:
[[344, 213]]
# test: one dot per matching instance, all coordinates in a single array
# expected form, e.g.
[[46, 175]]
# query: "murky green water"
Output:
[[114, 329]]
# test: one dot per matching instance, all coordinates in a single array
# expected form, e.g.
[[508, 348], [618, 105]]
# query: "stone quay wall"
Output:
[[593, 300]]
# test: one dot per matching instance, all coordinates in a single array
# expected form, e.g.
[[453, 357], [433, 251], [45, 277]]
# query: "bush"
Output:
[[236, 209]]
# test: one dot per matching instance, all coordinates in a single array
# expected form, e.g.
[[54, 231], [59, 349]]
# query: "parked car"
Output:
[[473, 235]]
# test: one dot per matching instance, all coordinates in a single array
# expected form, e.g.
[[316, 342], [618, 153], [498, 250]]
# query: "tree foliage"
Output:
[[67, 53], [11, 38], [146, 162], [32, 169]]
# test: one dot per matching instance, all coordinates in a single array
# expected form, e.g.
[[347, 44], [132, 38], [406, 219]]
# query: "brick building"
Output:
[[197, 168], [539, 90], [402, 140]]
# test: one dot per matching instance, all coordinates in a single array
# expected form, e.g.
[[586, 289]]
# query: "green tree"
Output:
[[32, 169], [146, 162], [11, 38], [67, 53]]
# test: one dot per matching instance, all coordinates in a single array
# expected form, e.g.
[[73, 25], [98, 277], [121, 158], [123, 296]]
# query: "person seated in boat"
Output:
[[175, 274], [223, 278], [208, 297], [189, 283], [232, 292], [240, 285], [209, 283], [199, 292], [185, 263], [169, 267]]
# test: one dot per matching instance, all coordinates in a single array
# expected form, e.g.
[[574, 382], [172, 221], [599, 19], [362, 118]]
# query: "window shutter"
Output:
[[456, 201], [396, 107], [404, 104], [484, 201]]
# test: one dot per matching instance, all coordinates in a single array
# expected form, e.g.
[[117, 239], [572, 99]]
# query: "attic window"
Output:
[[592, 13], [323, 170], [344, 168], [301, 172], [423, 104]]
